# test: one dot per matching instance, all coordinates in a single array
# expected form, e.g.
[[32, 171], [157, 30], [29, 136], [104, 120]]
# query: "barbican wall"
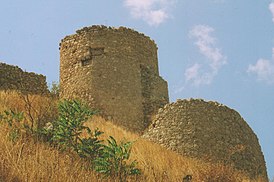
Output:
[[14, 78]]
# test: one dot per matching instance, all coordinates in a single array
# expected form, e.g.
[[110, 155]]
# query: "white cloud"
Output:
[[203, 74], [263, 69], [271, 8], [192, 72], [197, 77], [154, 12]]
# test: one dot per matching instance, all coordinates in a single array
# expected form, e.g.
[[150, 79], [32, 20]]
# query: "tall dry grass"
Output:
[[30, 160], [160, 164], [37, 109]]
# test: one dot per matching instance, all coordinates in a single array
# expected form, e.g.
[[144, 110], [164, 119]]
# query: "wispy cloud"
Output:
[[271, 8], [263, 69], [197, 77], [204, 73], [153, 12]]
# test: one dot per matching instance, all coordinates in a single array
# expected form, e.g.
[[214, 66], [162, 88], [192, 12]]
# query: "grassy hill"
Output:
[[24, 157]]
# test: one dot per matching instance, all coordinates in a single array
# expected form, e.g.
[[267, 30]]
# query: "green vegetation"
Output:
[[69, 125], [14, 119], [113, 162], [28, 152], [66, 132]]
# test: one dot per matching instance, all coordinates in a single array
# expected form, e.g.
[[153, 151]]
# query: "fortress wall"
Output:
[[159, 96], [14, 78], [140, 47], [154, 92], [209, 131], [102, 66]]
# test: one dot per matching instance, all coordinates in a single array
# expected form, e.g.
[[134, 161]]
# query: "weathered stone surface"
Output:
[[114, 70], [210, 131], [14, 78]]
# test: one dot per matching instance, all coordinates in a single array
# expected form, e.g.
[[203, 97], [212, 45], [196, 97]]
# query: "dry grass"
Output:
[[37, 109], [30, 161], [159, 164], [27, 160]]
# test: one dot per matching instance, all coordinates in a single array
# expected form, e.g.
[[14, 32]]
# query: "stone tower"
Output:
[[209, 131], [116, 71]]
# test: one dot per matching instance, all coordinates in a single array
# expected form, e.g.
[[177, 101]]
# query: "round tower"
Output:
[[116, 71], [209, 131]]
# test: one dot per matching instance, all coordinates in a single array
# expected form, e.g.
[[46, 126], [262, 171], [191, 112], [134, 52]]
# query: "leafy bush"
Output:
[[109, 160], [113, 162], [90, 148], [13, 120], [66, 132], [70, 123]]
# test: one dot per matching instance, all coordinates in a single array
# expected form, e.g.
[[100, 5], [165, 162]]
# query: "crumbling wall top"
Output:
[[14, 78], [106, 29]]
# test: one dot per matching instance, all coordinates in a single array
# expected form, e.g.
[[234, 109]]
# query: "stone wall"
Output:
[[116, 71], [14, 78], [210, 131]]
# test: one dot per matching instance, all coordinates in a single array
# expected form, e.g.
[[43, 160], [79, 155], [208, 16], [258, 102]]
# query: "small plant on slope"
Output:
[[90, 148], [70, 123], [66, 133], [14, 119], [109, 160], [113, 162]]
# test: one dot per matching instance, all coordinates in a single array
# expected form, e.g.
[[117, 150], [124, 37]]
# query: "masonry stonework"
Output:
[[116, 71], [14, 78], [210, 131]]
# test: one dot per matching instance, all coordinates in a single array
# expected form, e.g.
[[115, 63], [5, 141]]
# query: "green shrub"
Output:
[[14, 121], [114, 161], [70, 123], [12, 118], [109, 159], [90, 148]]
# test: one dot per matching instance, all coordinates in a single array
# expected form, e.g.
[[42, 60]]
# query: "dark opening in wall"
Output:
[[91, 54], [85, 62]]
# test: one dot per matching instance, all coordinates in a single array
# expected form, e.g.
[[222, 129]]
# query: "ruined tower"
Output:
[[209, 131], [116, 71]]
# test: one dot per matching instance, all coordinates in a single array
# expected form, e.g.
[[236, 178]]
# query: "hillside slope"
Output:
[[26, 159]]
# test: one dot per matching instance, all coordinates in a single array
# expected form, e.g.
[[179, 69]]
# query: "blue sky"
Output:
[[219, 50]]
